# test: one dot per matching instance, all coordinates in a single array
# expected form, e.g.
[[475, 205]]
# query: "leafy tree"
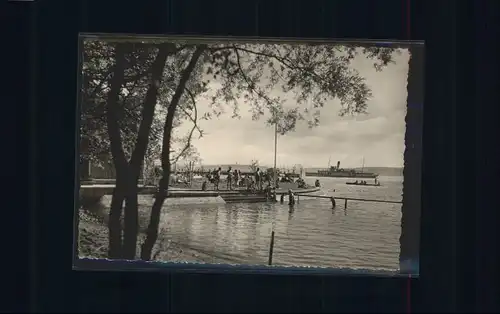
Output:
[[97, 62], [180, 72], [119, 100]]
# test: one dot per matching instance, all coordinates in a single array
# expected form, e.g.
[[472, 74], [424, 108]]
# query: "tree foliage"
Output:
[[312, 75], [98, 58]]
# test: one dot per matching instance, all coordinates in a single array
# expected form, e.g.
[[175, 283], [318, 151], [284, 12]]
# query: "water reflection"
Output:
[[309, 234]]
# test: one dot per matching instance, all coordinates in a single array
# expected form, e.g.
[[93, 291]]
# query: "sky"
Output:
[[376, 137]]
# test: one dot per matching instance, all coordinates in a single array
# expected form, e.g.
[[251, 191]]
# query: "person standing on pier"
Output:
[[257, 178], [262, 179], [236, 177], [229, 184], [248, 182], [217, 178], [266, 178]]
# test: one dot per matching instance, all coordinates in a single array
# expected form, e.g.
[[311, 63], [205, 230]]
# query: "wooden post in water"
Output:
[[271, 247], [298, 198], [345, 204]]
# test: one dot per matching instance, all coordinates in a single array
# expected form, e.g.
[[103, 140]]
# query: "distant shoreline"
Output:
[[382, 171]]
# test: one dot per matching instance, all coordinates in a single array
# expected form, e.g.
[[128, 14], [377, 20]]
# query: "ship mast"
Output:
[[329, 160], [363, 166], [275, 152]]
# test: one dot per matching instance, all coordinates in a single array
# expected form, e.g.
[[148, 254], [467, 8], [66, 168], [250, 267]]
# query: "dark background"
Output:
[[460, 168]]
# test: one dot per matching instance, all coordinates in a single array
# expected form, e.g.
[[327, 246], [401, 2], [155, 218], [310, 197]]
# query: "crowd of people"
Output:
[[258, 181]]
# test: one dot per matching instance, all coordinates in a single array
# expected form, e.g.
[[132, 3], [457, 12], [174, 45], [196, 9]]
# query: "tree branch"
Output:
[[193, 119], [195, 111], [250, 83], [167, 131], [149, 108], [112, 115], [283, 60], [144, 73]]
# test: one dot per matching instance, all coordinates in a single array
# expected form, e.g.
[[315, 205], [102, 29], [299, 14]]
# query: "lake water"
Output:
[[366, 235]]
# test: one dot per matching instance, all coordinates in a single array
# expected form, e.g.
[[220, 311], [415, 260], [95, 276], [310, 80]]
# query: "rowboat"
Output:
[[363, 184]]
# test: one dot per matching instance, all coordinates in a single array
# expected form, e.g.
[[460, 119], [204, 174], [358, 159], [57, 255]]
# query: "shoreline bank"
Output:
[[93, 243], [93, 240]]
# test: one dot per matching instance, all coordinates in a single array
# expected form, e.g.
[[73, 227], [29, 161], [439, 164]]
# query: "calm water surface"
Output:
[[366, 235]]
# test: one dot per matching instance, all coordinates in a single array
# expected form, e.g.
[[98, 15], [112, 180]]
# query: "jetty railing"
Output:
[[346, 199]]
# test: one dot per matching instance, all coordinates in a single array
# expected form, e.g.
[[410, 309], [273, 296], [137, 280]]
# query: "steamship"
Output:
[[337, 172]]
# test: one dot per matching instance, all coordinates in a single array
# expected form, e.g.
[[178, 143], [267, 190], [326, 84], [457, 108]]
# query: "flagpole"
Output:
[[275, 151]]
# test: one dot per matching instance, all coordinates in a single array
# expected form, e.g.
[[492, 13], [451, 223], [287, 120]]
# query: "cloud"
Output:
[[377, 136]]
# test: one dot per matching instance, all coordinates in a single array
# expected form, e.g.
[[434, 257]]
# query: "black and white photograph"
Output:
[[247, 152]]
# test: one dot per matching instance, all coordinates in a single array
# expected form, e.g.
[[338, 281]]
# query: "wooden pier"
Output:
[[95, 192], [346, 199]]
